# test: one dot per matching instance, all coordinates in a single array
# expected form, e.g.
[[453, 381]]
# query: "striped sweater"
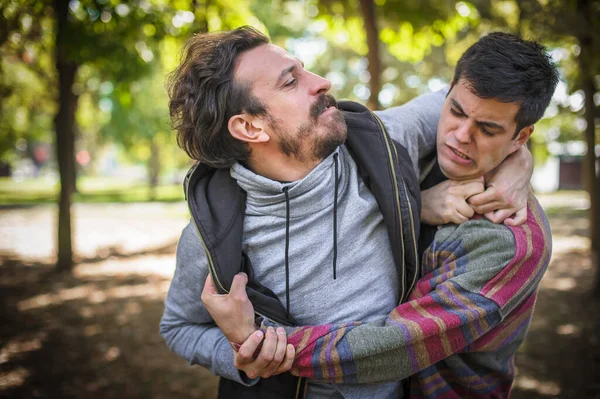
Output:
[[459, 330]]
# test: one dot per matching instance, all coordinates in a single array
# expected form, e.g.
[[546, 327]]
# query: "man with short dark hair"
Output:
[[469, 312], [316, 201]]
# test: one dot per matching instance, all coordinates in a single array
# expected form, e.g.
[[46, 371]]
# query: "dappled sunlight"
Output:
[[94, 294], [13, 378], [112, 353], [532, 385], [21, 344], [91, 330], [566, 268], [160, 265], [568, 329], [66, 294], [562, 245], [561, 284], [100, 230], [148, 291]]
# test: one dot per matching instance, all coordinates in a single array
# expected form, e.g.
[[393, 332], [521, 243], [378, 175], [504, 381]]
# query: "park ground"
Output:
[[94, 333]]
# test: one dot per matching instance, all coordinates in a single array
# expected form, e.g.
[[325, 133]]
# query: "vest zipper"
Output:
[[390, 147], [211, 265]]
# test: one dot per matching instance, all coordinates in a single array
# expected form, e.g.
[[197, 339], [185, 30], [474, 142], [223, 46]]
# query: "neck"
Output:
[[282, 168]]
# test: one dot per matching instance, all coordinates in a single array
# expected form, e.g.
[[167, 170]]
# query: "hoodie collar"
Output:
[[309, 195]]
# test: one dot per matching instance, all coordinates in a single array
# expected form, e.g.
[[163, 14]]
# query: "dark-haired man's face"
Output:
[[301, 117], [476, 134]]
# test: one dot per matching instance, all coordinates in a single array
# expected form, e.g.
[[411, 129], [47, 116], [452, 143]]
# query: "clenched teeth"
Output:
[[460, 155]]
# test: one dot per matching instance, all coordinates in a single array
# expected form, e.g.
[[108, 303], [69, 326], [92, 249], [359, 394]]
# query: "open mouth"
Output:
[[460, 154]]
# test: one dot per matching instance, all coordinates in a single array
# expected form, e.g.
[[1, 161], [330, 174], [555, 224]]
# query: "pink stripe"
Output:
[[526, 269], [303, 360]]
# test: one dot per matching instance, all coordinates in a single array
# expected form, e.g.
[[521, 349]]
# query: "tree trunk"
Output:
[[587, 84], [65, 139], [201, 16], [75, 164], [368, 11], [590, 161], [153, 168]]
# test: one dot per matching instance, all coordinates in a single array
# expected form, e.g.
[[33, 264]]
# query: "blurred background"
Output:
[[91, 201]]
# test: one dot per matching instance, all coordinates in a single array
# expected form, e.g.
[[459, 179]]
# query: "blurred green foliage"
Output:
[[125, 49], [91, 190]]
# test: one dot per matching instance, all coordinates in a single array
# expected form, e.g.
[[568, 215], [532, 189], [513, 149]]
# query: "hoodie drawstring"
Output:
[[335, 201], [287, 235], [287, 248]]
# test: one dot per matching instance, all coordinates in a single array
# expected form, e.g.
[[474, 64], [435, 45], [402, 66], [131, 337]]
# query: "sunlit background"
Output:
[[84, 123]]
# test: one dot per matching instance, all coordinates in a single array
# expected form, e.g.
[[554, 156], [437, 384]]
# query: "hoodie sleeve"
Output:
[[414, 124], [186, 325]]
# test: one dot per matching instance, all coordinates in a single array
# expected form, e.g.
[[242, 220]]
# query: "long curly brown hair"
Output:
[[204, 95]]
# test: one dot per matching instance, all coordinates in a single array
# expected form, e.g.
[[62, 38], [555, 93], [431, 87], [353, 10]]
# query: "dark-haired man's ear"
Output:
[[522, 137], [247, 128]]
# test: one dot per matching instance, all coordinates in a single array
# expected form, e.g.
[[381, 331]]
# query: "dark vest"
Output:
[[433, 178], [217, 205]]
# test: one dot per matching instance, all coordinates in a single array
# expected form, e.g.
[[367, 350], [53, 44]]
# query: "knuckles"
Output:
[[243, 356]]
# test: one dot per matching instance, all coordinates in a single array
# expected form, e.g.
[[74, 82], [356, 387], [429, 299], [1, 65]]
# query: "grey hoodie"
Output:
[[366, 286]]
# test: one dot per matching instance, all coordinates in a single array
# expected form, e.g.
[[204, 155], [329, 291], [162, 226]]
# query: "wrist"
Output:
[[241, 336]]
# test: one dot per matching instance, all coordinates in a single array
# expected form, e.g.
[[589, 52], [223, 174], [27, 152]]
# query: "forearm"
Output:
[[186, 326], [414, 124], [417, 334], [201, 344]]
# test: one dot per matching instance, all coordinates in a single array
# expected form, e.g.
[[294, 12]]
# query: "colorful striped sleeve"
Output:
[[476, 273]]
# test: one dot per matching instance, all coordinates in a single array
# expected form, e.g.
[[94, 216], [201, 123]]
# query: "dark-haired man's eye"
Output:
[[487, 133], [290, 83], [455, 112]]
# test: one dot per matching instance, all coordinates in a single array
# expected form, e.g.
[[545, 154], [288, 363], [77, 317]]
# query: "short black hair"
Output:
[[508, 69]]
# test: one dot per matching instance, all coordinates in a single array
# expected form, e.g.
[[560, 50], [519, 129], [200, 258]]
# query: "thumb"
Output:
[[209, 286], [238, 285], [519, 218]]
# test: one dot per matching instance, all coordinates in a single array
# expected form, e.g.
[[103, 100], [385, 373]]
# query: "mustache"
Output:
[[323, 102]]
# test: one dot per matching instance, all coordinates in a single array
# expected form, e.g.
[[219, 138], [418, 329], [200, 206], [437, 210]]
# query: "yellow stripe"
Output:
[[444, 296], [416, 338], [323, 356], [515, 268], [304, 341], [335, 356], [498, 340], [481, 312], [441, 326], [534, 207]]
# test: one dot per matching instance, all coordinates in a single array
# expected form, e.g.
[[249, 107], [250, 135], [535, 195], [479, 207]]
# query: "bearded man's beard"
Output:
[[323, 143]]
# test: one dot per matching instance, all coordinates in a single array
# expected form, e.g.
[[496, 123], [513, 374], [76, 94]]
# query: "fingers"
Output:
[[518, 219], [280, 352], [489, 207], [286, 365], [245, 354], [472, 187], [238, 286], [499, 215], [274, 357], [464, 212], [209, 289], [254, 367], [488, 196]]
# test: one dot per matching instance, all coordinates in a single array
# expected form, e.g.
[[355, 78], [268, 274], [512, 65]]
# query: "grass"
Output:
[[91, 190]]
